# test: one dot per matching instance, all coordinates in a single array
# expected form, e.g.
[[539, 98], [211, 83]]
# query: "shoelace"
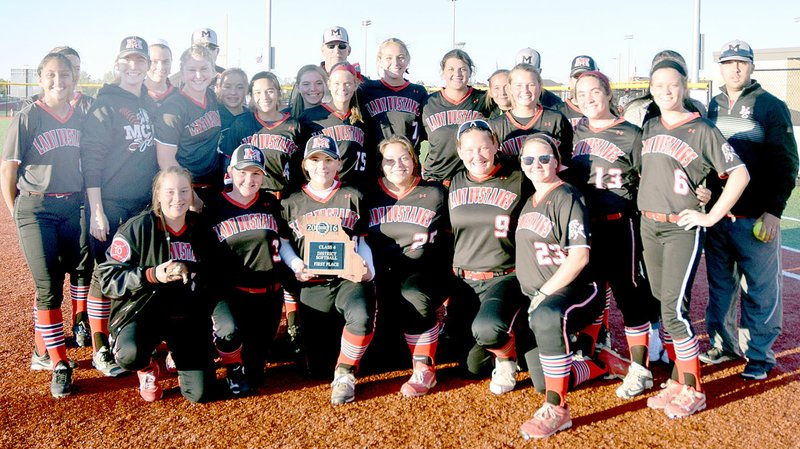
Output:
[[684, 398], [149, 381], [545, 413], [633, 379], [60, 375]]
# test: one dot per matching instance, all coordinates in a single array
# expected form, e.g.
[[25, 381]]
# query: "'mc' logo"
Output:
[[134, 43]]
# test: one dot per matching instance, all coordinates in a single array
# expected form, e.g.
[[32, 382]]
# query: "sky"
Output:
[[492, 32]]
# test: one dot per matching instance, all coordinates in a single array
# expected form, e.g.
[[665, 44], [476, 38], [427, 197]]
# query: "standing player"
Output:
[[41, 158], [406, 215], [393, 106], [188, 125], [341, 120], [497, 100], [445, 111], [118, 158], [530, 56], [309, 89], [484, 202], [231, 95], [527, 116], [323, 298], [679, 149], [157, 82], [570, 109], [759, 128]]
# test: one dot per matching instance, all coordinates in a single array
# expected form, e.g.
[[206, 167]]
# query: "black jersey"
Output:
[[571, 112], [483, 215], [344, 202], [404, 230], [546, 232], [442, 116], [511, 131], [278, 140], [357, 162], [676, 159], [549, 99], [47, 149], [604, 166], [390, 111], [160, 98], [194, 129], [245, 239]]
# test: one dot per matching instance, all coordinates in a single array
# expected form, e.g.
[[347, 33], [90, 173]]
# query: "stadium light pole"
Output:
[[454, 23], [366, 23], [629, 38]]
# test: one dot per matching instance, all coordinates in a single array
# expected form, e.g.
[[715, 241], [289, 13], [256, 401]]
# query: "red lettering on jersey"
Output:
[[57, 138], [272, 142], [181, 251], [341, 133], [670, 146], [392, 104], [536, 223], [205, 122], [491, 196], [453, 117], [601, 148], [401, 214]]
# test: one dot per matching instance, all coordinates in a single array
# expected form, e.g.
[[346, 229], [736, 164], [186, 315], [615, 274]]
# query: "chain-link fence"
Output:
[[784, 84]]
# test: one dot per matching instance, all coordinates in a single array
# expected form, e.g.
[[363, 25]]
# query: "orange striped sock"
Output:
[[556, 370], [51, 325], [508, 351], [666, 341], [77, 294], [353, 347], [584, 370], [99, 310], [638, 336], [37, 334], [687, 360], [424, 344]]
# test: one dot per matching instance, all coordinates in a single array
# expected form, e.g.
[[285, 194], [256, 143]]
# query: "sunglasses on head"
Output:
[[342, 46], [478, 124], [544, 159]]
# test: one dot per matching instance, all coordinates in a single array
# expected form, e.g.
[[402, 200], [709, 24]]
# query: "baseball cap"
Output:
[[582, 64], [529, 56], [204, 36], [736, 50], [247, 155], [161, 42], [133, 45], [335, 34], [321, 144]]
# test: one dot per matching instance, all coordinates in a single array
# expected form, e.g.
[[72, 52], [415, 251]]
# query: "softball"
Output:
[[757, 230]]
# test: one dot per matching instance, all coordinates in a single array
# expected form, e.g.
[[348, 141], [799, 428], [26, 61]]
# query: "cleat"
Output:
[[422, 380], [104, 362], [616, 365], [82, 334], [548, 420], [687, 402], [169, 363], [343, 387], [148, 383], [635, 382], [754, 371], [44, 363], [61, 385], [715, 355], [665, 396], [504, 377], [237, 379]]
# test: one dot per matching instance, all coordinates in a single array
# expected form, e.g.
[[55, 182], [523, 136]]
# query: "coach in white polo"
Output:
[[759, 128]]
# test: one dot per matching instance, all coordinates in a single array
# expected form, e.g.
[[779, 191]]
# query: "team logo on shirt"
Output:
[[490, 196], [243, 223], [575, 230], [119, 250], [454, 117], [57, 138], [272, 142], [745, 112], [392, 104], [139, 130], [341, 133], [728, 152], [206, 121], [401, 214]]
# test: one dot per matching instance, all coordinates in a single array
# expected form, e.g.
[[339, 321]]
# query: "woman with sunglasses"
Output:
[[445, 110], [680, 149], [485, 198], [552, 256]]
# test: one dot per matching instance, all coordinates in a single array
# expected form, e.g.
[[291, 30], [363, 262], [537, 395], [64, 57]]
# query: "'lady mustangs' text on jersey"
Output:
[[676, 159], [245, 239], [604, 166], [511, 131], [194, 129], [405, 228], [483, 215], [442, 116], [47, 149], [546, 232], [392, 111], [344, 202], [278, 140], [349, 137]]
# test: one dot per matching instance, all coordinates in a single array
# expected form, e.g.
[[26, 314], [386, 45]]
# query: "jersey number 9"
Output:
[[502, 223]]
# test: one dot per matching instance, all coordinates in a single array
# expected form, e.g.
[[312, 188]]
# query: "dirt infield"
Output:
[[294, 412]]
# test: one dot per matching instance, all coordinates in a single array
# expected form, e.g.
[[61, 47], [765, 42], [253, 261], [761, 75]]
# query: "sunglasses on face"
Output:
[[543, 159], [212, 47], [341, 46], [479, 124]]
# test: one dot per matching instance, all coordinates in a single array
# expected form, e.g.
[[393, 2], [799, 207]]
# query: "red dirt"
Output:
[[294, 412]]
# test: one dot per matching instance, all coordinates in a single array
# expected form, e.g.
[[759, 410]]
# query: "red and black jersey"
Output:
[[442, 116], [604, 166], [344, 202], [404, 229], [245, 239], [511, 131], [159, 98], [278, 140], [194, 129], [392, 111], [483, 216], [357, 162], [546, 232], [677, 158], [571, 112], [47, 149]]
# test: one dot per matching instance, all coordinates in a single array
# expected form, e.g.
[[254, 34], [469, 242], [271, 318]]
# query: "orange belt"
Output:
[[52, 195], [609, 217], [663, 218], [269, 289], [481, 275]]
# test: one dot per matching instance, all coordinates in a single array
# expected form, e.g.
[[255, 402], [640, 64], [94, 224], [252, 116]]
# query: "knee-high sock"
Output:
[[424, 345], [584, 370], [609, 298], [638, 336], [51, 326], [37, 334], [290, 307], [666, 341], [556, 376], [507, 351], [78, 294], [687, 352], [353, 348], [99, 309], [230, 358]]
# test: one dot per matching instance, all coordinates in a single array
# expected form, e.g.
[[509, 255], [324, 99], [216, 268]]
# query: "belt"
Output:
[[268, 289], [481, 275], [609, 217], [663, 218], [202, 185], [50, 195]]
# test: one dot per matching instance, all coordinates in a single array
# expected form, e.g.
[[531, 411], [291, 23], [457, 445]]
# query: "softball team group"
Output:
[[189, 203]]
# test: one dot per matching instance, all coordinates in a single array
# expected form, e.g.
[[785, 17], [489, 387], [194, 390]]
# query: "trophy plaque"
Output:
[[328, 250]]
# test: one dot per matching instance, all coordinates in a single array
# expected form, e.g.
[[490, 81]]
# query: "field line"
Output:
[[786, 217], [792, 275]]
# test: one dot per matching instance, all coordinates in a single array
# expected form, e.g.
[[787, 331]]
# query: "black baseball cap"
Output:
[[321, 144], [133, 45], [247, 155], [582, 64]]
